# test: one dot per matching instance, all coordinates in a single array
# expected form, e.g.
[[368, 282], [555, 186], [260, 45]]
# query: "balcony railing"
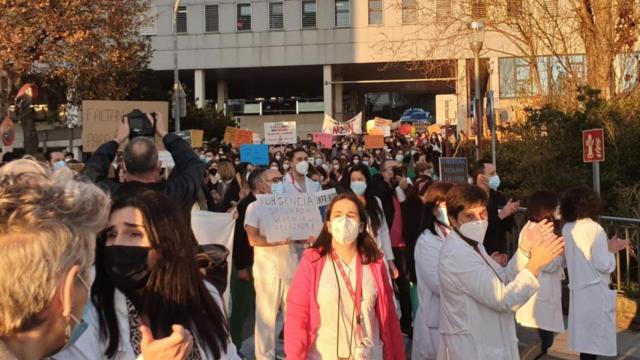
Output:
[[274, 106]]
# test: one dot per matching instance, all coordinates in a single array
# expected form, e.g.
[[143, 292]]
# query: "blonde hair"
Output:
[[226, 170], [48, 224]]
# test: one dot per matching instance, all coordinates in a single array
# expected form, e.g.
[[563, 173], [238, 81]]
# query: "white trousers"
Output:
[[271, 296]]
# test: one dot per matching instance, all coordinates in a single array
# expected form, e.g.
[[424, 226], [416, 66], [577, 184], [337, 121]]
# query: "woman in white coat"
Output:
[[358, 180], [590, 261], [477, 305], [426, 328], [543, 311]]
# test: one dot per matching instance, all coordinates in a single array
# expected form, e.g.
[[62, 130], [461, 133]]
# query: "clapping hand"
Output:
[[615, 244]]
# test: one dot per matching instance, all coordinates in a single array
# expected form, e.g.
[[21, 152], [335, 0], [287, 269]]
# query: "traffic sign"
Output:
[[593, 145]]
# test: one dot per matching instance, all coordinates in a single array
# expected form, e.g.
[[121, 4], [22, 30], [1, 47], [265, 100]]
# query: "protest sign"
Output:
[[101, 118], [202, 222], [373, 141], [421, 127], [289, 216], [193, 137], [325, 140], [256, 138], [323, 198], [166, 159], [337, 128], [237, 137], [280, 133], [434, 129], [454, 170], [406, 129], [257, 154]]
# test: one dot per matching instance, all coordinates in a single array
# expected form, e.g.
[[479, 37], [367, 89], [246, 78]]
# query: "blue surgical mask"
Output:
[[494, 182], [59, 165], [358, 187], [79, 329], [277, 188]]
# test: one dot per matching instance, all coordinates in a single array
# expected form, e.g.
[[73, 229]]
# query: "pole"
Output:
[[477, 100], [176, 76], [596, 177]]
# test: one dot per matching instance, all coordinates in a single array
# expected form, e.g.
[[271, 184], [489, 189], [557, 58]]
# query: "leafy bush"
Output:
[[210, 120]]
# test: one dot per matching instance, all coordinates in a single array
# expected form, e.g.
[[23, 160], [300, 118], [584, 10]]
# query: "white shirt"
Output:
[[477, 306], [270, 261], [383, 240], [325, 345], [293, 187]]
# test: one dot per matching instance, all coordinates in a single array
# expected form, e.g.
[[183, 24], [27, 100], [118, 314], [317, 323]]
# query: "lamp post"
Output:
[[176, 76], [476, 40]]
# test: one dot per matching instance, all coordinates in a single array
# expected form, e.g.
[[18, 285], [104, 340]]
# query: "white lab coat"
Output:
[[383, 240], [426, 328], [477, 307], [92, 345], [293, 188], [544, 309], [592, 306]]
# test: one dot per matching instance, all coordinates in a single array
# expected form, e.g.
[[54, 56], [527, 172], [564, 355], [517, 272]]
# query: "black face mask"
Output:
[[212, 171], [128, 268]]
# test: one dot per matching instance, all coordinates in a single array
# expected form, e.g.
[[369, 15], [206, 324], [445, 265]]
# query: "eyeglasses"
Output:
[[274, 180]]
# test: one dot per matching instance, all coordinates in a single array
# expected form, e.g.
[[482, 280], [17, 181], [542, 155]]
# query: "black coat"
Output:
[[181, 188], [495, 238], [242, 250]]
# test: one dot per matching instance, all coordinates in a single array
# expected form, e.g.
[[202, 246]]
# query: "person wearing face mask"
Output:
[[500, 210], [148, 287], [278, 156], [296, 181], [341, 302], [210, 187], [228, 187], [49, 223], [318, 159], [358, 180], [286, 166], [478, 296], [336, 171], [355, 159], [274, 265], [426, 330]]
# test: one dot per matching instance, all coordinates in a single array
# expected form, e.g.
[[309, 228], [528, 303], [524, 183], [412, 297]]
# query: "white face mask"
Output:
[[318, 161], [274, 168], [356, 161], [285, 166], [474, 230], [365, 162], [302, 167], [344, 230], [399, 157]]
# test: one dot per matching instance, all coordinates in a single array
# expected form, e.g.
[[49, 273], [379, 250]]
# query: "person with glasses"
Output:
[[274, 264]]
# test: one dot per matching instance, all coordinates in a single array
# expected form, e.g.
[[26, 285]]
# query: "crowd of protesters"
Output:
[[98, 260]]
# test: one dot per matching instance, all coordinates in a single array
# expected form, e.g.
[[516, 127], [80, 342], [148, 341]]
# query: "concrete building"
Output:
[[297, 59]]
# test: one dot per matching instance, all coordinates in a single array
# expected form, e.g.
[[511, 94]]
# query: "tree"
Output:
[[77, 49], [602, 30]]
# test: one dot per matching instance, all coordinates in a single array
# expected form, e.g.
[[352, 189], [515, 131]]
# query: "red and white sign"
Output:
[[593, 145], [8, 132]]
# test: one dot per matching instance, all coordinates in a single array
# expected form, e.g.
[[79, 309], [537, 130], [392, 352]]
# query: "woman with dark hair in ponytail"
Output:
[[148, 287]]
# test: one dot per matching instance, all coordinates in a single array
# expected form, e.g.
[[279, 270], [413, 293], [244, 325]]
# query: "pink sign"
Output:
[[325, 140]]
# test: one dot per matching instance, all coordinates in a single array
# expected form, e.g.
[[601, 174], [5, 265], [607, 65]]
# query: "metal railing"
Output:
[[627, 266]]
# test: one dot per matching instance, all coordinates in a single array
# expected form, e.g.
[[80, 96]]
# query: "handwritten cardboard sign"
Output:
[[280, 133], [237, 137], [373, 141], [325, 140], [289, 216], [257, 154], [101, 118], [193, 137], [454, 170], [323, 198]]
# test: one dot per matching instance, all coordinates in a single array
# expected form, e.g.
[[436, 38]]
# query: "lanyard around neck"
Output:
[[356, 297]]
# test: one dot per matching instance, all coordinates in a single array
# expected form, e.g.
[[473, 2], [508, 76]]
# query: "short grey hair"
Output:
[[255, 177]]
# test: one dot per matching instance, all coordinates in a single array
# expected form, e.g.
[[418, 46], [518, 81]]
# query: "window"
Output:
[[276, 15], [478, 9], [514, 8], [181, 20], [148, 21], [551, 7], [443, 9], [309, 10], [409, 12], [518, 79], [211, 18], [375, 12], [244, 17], [343, 13]]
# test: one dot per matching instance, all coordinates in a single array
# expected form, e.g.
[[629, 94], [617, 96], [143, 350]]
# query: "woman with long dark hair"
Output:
[[426, 329], [340, 304], [148, 285], [358, 181]]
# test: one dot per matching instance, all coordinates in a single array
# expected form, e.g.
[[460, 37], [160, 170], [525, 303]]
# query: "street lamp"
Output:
[[476, 39], [176, 76]]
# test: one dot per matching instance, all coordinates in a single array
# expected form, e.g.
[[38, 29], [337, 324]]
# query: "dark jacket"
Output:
[[242, 250], [182, 187], [495, 238]]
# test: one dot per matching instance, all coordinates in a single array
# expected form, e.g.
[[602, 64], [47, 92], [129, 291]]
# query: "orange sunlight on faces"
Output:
[[126, 228]]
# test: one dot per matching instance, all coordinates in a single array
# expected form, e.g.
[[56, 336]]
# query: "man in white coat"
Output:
[[477, 304], [296, 181]]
